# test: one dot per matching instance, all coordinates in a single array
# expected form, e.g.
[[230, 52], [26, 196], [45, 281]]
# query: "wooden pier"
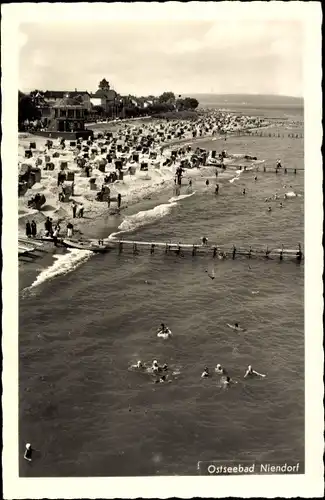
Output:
[[265, 169], [258, 168], [215, 251], [265, 133], [221, 252]]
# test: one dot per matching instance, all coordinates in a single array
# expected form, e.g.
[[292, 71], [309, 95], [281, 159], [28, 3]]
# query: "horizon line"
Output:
[[180, 93]]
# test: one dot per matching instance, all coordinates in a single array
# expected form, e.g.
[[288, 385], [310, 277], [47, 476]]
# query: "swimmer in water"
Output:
[[28, 452], [155, 367], [161, 380], [250, 372], [165, 367], [269, 209], [220, 370], [244, 191], [138, 366], [281, 206], [205, 373]]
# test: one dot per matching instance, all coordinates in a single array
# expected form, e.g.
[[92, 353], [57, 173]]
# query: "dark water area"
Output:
[[89, 415]]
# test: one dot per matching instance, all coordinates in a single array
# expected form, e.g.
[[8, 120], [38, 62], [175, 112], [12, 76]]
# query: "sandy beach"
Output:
[[137, 184]]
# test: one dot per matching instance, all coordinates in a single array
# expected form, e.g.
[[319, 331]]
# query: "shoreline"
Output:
[[99, 220]]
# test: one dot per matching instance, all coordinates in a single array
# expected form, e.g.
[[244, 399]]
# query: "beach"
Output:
[[85, 319], [135, 190]]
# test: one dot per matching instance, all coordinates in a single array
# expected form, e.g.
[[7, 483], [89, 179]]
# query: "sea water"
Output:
[[83, 323]]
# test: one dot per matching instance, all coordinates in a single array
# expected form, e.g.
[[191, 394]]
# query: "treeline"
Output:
[[165, 104], [27, 108]]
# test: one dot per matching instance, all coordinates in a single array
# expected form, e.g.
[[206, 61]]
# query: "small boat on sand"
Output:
[[92, 245]]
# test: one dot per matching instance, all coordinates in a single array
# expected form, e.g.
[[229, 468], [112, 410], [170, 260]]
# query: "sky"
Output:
[[149, 57]]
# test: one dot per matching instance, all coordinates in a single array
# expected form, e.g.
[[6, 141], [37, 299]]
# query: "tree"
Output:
[[167, 97], [180, 104], [191, 103], [103, 84], [37, 97], [26, 108]]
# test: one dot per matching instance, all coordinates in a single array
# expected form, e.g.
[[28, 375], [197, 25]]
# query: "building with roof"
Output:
[[104, 97], [107, 98], [54, 96], [68, 117]]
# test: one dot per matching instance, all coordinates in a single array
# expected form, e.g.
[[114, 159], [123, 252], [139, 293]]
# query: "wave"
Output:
[[140, 219], [133, 222], [63, 264], [180, 197]]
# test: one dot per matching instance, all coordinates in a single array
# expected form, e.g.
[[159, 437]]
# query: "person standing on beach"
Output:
[[81, 211], [34, 228], [119, 199], [55, 237], [28, 229], [69, 230], [48, 226], [217, 189], [74, 209]]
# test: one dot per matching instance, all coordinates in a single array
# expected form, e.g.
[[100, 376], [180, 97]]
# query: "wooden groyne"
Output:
[[258, 133], [259, 168], [215, 251]]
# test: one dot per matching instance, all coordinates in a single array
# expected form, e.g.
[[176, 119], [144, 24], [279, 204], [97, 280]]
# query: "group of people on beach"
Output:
[[77, 210], [31, 229]]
